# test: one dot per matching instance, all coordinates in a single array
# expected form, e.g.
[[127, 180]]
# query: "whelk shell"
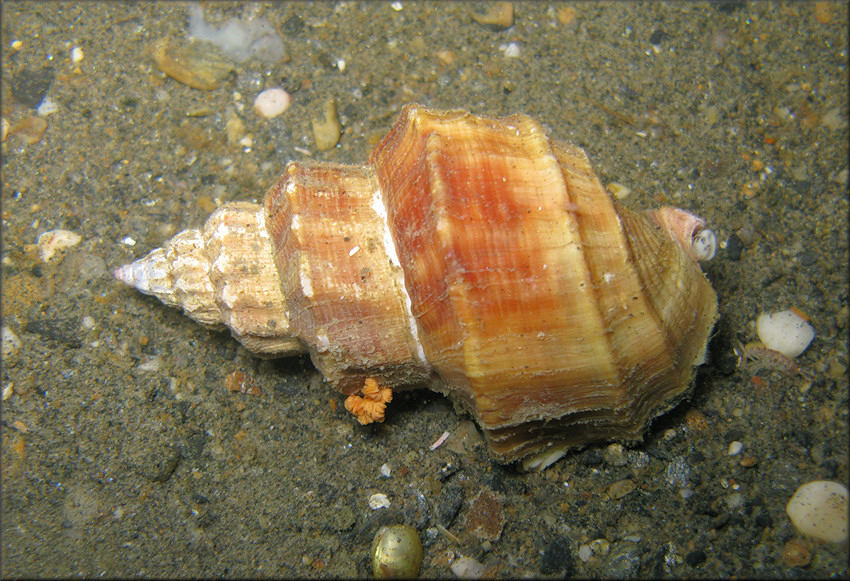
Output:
[[475, 256]]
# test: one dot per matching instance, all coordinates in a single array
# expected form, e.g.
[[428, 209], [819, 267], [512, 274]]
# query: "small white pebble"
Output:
[[8, 390], [47, 107], [735, 448], [397, 6], [511, 50], [785, 331], [386, 470], [77, 54], [88, 322], [9, 342], [128, 241], [272, 102], [584, 553], [819, 509], [151, 364], [379, 500], [467, 568]]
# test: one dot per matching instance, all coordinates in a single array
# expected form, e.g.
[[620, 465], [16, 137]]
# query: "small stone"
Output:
[[566, 15], [797, 553], [734, 247], [62, 331], [234, 129], [30, 129], [500, 16], [9, 342], [807, 258], [199, 65], [29, 87], [467, 568], [735, 448], [511, 50], [272, 102], [486, 518], [379, 500], [695, 558], [621, 488], [557, 559], [326, 131], [657, 37], [819, 509], [615, 455]]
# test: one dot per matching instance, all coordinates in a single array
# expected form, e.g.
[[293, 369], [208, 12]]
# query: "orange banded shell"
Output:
[[476, 256]]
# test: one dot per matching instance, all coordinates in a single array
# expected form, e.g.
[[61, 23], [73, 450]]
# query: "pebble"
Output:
[[621, 488], [566, 15], [326, 131], [734, 247], [29, 87], [797, 553], [511, 50], [234, 129], [735, 448], [467, 568], [272, 102], [30, 129], [615, 455], [199, 65], [786, 332], [485, 519], [624, 562], [379, 500], [695, 558], [677, 472], [9, 342], [500, 16], [819, 509], [557, 558]]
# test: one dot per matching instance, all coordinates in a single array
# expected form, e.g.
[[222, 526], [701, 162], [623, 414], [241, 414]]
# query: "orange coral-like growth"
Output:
[[371, 405]]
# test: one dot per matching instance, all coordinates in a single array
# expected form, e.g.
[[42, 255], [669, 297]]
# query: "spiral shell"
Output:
[[475, 256]]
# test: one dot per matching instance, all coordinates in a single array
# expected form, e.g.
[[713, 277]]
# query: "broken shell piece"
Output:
[[54, 240]]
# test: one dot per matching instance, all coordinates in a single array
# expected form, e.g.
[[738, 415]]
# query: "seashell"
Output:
[[475, 256]]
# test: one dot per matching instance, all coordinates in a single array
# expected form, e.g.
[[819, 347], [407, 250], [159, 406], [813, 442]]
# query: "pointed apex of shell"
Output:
[[127, 275]]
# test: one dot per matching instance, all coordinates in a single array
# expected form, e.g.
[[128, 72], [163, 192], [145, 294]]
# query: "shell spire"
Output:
[[475, 256]]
